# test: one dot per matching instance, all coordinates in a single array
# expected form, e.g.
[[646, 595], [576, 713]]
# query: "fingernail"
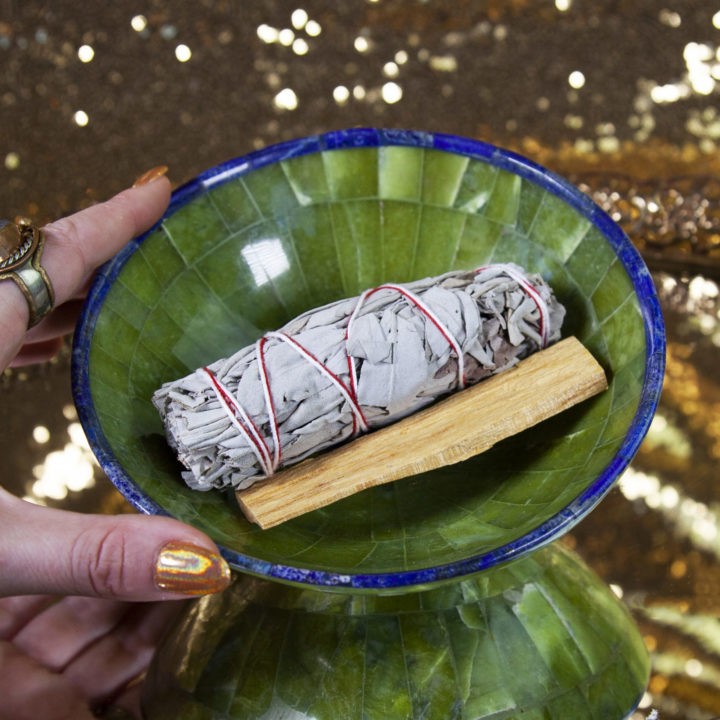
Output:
[[154, 174], [190, 570]]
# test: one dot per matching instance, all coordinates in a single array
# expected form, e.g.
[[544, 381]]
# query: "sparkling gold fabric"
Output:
[[620, 97]]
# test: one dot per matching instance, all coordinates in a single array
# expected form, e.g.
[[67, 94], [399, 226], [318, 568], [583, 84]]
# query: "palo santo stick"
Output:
[[461, 426]]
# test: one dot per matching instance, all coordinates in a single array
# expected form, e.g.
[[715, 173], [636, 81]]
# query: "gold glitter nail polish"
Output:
[[190, 570], [153, 174]]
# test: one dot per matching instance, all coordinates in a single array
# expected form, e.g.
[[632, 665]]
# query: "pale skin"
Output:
[[80, 611]]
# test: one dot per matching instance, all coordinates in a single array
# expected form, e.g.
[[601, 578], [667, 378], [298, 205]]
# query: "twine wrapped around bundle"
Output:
[[352, 366]]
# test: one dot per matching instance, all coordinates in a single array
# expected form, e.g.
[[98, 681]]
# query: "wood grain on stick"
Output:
[[454, 429]]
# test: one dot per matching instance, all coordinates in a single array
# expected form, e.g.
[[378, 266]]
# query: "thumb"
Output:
[[126, 557]]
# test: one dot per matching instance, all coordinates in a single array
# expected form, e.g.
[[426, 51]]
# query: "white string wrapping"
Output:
[[352, 366]]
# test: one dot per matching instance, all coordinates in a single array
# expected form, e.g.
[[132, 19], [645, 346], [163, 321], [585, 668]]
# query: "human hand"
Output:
[[82, 596], [62, 655], [75, 247]]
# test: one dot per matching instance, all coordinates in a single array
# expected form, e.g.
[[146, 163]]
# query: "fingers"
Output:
[[57, 635], [99, 645], [29, 691], [106, 668], [43, 342], [33, 353], [98, 648], [129, 557], [60, 322], [78, 244], [16, 612], [75, 247]]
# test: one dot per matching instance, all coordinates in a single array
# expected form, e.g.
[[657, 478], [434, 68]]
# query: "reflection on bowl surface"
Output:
[[250, 244]]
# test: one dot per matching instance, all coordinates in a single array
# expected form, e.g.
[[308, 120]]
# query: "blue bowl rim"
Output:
[[507, 160]]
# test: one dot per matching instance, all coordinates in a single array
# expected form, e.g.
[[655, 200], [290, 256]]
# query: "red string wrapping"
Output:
[[270, 459], [353, 365]]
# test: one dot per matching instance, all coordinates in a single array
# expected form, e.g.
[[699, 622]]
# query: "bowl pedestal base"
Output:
[[541, 638]]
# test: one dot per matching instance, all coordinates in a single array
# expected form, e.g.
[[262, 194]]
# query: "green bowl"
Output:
[[248, 245], [539, 639]]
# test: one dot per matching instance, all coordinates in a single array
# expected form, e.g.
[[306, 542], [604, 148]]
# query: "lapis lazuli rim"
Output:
[[548, 531]]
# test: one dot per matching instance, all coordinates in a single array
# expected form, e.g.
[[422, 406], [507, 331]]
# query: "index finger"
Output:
[[76, 245]]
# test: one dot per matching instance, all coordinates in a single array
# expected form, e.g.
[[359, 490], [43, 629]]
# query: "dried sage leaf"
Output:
[[351, 366]]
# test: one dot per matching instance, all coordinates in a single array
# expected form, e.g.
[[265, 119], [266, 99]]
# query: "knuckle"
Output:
[[66, 233], [100, 561]]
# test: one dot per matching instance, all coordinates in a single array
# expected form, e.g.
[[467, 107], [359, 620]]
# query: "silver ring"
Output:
[[21, 247]]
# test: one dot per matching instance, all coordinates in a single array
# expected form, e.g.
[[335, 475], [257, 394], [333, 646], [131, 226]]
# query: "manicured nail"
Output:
[[154, 174], [190, 570]]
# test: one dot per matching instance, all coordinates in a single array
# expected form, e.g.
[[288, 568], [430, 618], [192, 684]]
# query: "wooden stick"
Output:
[[461, 426]]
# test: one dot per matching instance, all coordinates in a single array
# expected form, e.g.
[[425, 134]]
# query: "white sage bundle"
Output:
[[352, 366]]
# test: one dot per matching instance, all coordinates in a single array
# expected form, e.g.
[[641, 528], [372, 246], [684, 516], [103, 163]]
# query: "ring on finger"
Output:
[[21, 247]]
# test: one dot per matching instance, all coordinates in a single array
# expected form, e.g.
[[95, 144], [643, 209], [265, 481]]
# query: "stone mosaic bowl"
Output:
[[249, 244], [542, 638]]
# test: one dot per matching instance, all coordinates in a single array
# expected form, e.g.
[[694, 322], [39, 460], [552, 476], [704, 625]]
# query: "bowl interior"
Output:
[[251, 244]]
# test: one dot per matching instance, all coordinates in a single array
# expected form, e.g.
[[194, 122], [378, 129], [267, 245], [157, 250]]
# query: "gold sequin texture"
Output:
[[619, 97]]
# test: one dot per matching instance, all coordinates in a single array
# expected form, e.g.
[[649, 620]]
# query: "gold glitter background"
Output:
[[620, 96]]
